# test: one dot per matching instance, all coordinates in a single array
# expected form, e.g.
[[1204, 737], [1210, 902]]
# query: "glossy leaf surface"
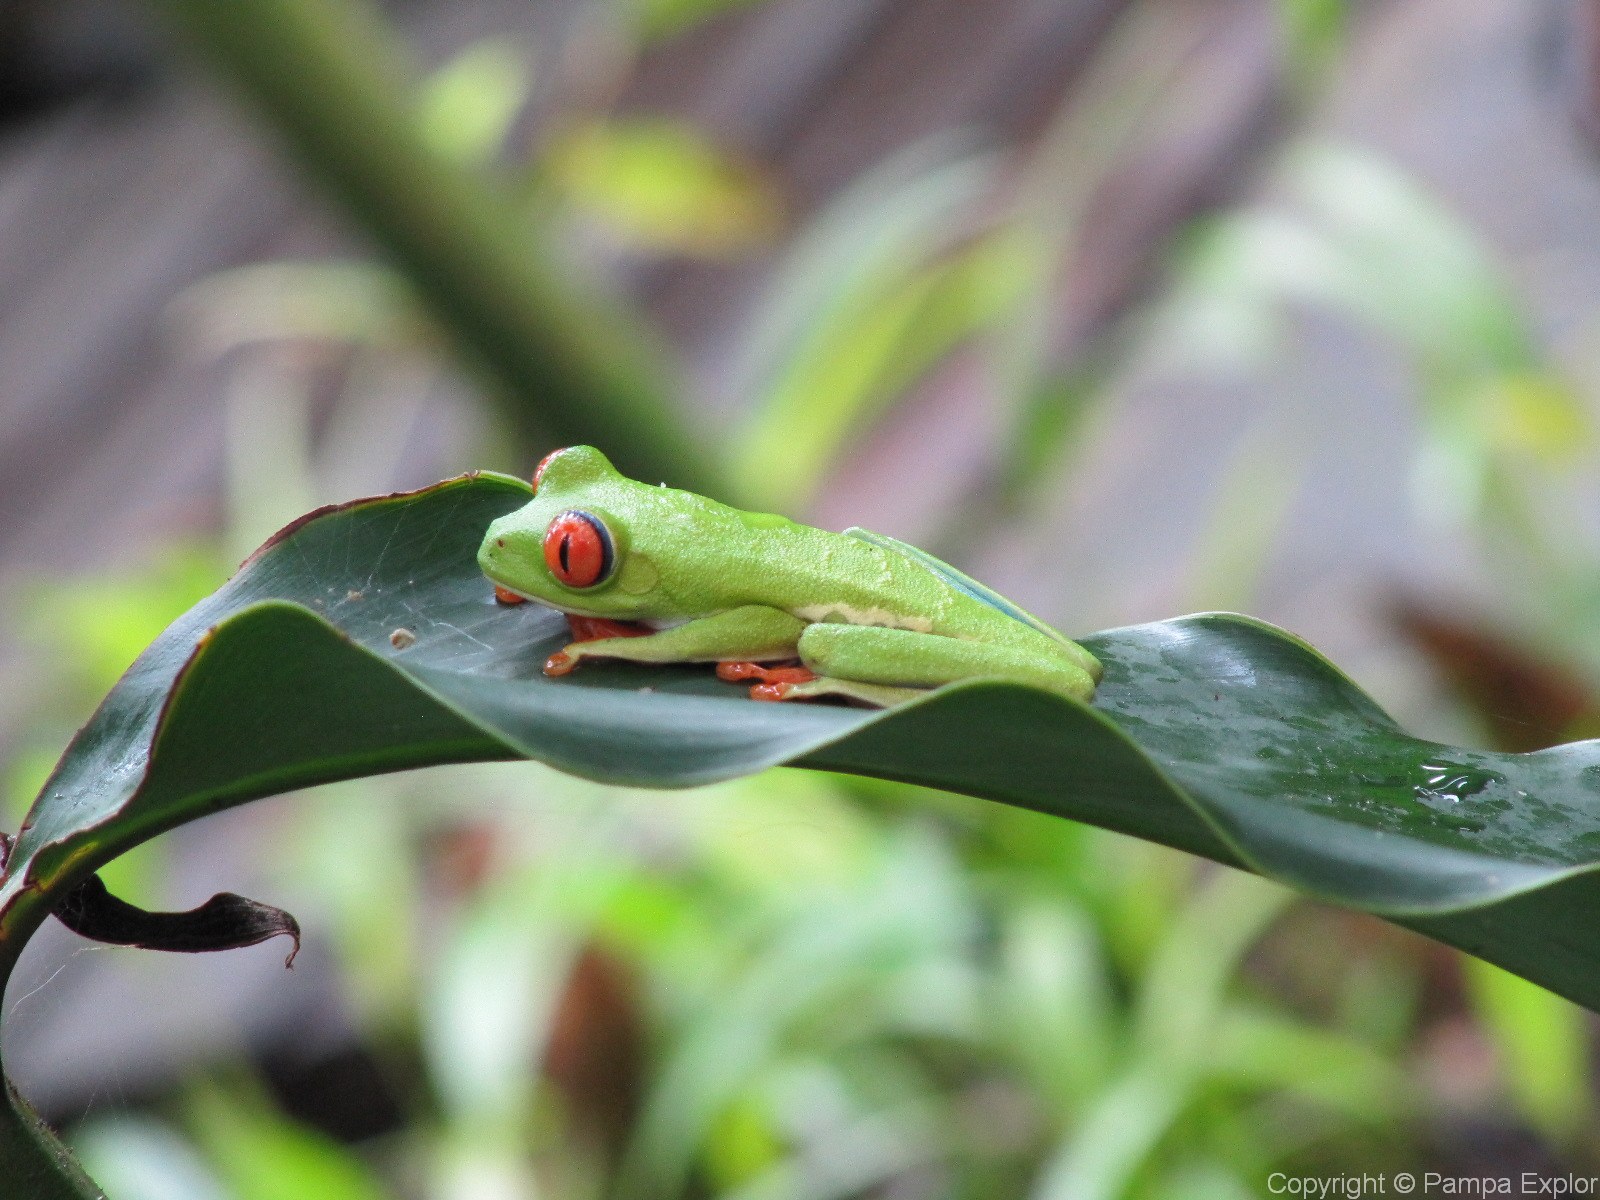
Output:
[[363, 639]]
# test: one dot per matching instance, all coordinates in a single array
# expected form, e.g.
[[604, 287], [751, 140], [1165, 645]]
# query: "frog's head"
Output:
[[569, 547]]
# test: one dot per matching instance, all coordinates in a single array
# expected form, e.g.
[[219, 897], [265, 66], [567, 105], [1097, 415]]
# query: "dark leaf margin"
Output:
[[1217, 734]]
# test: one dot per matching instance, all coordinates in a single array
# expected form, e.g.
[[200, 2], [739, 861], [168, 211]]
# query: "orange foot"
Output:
[[774, 683], [507, 596], [591, 629]]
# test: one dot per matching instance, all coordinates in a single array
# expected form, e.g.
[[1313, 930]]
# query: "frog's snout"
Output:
[[492, 553], [504, 549]]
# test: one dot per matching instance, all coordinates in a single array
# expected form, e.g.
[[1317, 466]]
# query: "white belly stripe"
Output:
[[880, 617]]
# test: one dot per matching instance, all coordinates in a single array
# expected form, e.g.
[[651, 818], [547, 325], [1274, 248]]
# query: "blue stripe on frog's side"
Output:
[[963, 583]]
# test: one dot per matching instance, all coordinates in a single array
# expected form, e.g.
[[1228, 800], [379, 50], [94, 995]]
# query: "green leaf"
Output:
[[468, 105], [141, 1159], [866, 357], [662, 186], [1216, 734], [1542, 1044], [329, 78], [657, 19], [865, 301], [264, 1155], [1311, 33], [1261, 1049]]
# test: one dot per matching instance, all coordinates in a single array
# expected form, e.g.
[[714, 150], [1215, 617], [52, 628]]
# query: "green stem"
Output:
[[569, 364], [33, 1162]]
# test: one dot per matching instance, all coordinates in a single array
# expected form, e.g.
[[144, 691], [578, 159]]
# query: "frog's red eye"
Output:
[[538, 472], [578, 549]]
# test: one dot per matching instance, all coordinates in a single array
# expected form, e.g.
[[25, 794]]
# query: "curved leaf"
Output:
[[363, 639]]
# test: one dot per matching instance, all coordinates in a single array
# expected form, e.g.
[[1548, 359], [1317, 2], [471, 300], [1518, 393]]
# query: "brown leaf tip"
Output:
[[224, 922]]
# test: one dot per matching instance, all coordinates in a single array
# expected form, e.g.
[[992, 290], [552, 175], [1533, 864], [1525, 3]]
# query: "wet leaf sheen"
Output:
[[363, 639]]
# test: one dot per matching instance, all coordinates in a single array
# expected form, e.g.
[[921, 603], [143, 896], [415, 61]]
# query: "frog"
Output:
[[646, 573]]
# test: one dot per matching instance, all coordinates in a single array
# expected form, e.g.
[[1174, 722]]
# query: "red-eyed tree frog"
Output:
[[652, 574]]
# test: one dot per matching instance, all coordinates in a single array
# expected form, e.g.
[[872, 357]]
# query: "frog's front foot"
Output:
[[590, 629]]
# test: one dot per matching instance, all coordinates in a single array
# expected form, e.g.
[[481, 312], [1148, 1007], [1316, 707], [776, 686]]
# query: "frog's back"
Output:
[[958, 583], [856, 577], [869, 579]]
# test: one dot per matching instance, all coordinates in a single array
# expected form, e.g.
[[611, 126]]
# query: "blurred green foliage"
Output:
[[659, 185], [798, 986], [883, 284]]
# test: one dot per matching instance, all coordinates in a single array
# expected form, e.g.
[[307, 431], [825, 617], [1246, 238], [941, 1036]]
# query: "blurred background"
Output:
[[1129, 307]]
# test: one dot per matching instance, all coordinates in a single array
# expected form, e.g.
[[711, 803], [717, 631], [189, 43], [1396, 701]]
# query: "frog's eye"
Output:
[[538, 472], [578, 549]]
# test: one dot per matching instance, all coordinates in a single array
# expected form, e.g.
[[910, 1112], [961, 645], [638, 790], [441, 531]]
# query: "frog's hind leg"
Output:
[[790, 681], [878, 695], [885, 666]]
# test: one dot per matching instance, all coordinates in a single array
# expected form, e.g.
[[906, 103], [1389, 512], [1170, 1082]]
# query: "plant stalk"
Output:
[[566, 363], [33, 1162]]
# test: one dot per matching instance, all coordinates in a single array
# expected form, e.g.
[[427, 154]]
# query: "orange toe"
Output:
[[739, 672], [507, 596], [560, 663]]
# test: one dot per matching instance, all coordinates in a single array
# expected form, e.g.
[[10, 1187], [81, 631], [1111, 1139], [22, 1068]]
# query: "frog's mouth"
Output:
[[505, 589], [654, 625]]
